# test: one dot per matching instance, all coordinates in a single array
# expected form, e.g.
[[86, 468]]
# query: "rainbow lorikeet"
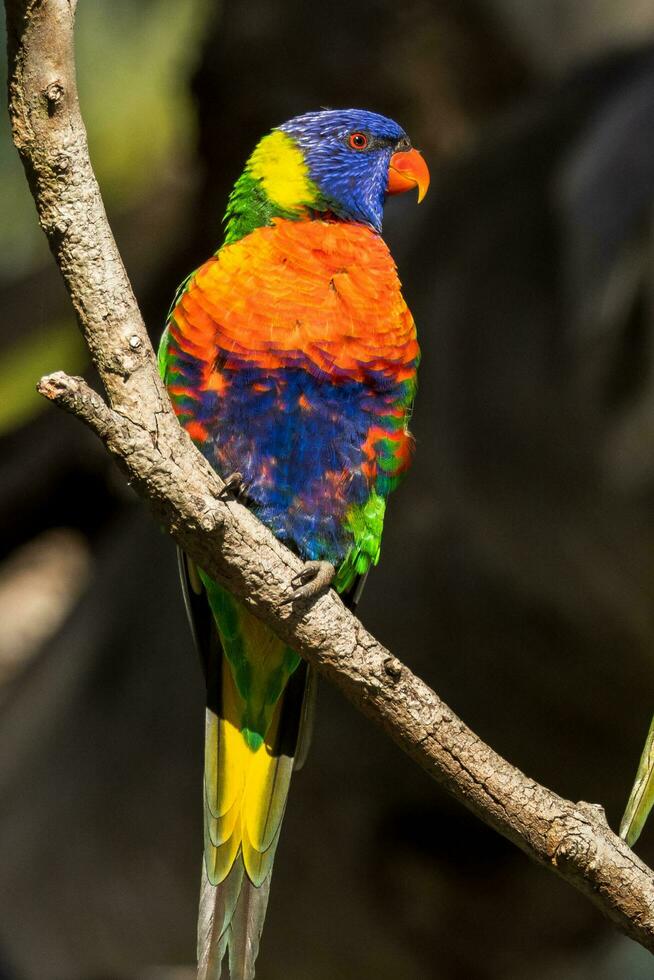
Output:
[[290, 357]]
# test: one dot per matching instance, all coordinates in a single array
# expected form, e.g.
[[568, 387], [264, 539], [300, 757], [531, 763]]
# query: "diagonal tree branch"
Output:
[[139, 428]]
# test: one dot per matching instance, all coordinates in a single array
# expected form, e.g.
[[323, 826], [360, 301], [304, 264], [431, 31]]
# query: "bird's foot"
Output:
[[312, 580], [233, 484]]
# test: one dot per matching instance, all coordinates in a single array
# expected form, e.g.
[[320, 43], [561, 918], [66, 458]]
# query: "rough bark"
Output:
[[139, 428]]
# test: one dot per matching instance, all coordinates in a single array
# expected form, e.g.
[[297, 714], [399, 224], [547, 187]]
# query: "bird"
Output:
[[290, 358]]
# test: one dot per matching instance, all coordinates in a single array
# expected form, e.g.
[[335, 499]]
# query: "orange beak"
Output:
[[407, 170]]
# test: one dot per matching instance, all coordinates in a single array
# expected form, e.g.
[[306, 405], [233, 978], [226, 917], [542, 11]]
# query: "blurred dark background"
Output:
[[518, 564]]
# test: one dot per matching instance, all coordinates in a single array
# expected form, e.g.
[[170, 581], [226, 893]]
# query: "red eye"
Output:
[[358, 141]]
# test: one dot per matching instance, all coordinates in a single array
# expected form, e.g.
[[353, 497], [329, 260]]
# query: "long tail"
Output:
[[256, 694], [641, 799]]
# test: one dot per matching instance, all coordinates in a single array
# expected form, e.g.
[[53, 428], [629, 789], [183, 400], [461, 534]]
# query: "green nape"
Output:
[[365, 522], [274, 184], [248, 208]]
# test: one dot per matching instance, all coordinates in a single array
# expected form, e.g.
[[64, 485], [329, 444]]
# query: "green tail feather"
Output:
[[642, 794]]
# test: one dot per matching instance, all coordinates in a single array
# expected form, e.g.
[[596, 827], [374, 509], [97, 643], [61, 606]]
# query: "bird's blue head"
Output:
[[348, 154], [342, 161]]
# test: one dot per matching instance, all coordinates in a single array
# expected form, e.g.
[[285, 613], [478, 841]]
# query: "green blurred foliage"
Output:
[[133, 61], [134, 127], [133, 65], [58, 344]]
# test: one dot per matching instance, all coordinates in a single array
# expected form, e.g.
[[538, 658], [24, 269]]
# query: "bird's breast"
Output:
[[319, 295], [292, 359]]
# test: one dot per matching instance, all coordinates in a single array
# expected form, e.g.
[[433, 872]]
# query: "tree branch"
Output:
[[141, 431]]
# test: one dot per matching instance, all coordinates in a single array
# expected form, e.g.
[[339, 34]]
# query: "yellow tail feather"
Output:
[[245, 787]]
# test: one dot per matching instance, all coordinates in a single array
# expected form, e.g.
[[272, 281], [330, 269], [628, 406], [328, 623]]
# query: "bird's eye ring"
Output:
[[358, 141]]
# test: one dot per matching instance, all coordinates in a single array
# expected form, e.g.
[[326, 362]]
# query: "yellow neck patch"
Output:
[[279, 165]]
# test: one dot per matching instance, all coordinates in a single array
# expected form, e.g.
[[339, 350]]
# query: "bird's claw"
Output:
[[233, 484], [313, 579]]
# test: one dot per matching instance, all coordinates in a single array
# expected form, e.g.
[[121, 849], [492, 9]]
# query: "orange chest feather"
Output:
[[324, 291]]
